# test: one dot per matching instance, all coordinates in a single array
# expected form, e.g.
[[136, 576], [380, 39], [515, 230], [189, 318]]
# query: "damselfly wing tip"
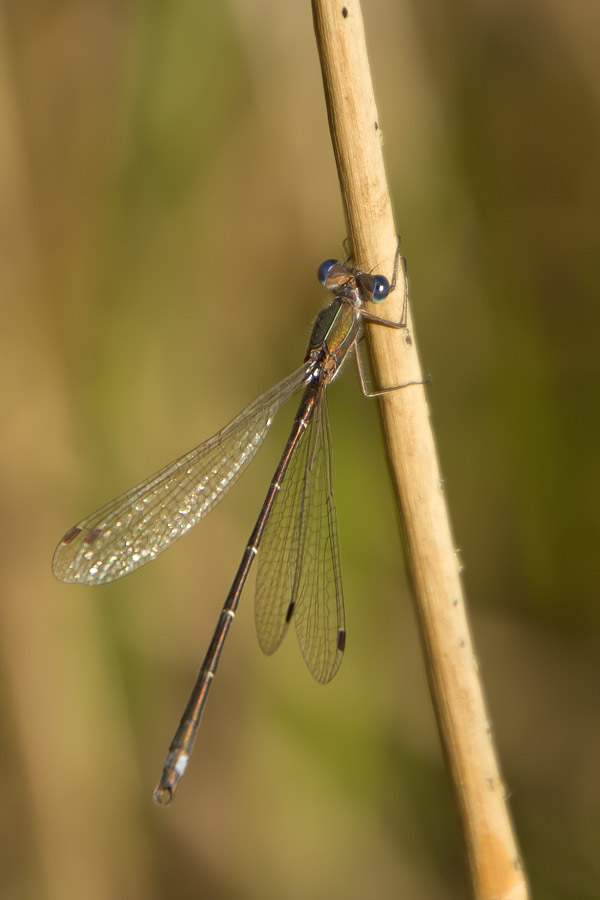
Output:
[[62, 569]]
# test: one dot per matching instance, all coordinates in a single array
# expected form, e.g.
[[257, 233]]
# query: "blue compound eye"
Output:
[[325, 268], [381, 288]]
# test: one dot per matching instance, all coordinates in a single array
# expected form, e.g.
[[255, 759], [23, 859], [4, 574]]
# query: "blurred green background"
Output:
[[167, 193]]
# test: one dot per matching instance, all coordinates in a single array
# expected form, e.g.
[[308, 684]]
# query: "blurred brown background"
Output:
[[167, 193]]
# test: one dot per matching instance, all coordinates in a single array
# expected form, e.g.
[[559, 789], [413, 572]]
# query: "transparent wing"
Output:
[[319, 613], [135, 527], [299, 572], [279, 553]]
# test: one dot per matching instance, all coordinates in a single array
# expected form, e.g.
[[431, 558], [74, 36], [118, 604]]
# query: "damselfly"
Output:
[[299, 575]]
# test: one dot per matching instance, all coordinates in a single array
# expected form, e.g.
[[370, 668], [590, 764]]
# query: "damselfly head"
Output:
[[352, 283]]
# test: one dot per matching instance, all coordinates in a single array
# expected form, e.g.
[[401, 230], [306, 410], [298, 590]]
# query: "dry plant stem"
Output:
[[494, 862]]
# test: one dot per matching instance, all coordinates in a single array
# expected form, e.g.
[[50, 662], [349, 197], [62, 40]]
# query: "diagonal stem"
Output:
[[495, 866]]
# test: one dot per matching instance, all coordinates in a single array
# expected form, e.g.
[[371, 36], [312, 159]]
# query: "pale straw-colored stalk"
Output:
[[495, 866]]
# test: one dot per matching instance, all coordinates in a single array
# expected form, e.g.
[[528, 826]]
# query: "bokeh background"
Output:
[[167, 191]]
